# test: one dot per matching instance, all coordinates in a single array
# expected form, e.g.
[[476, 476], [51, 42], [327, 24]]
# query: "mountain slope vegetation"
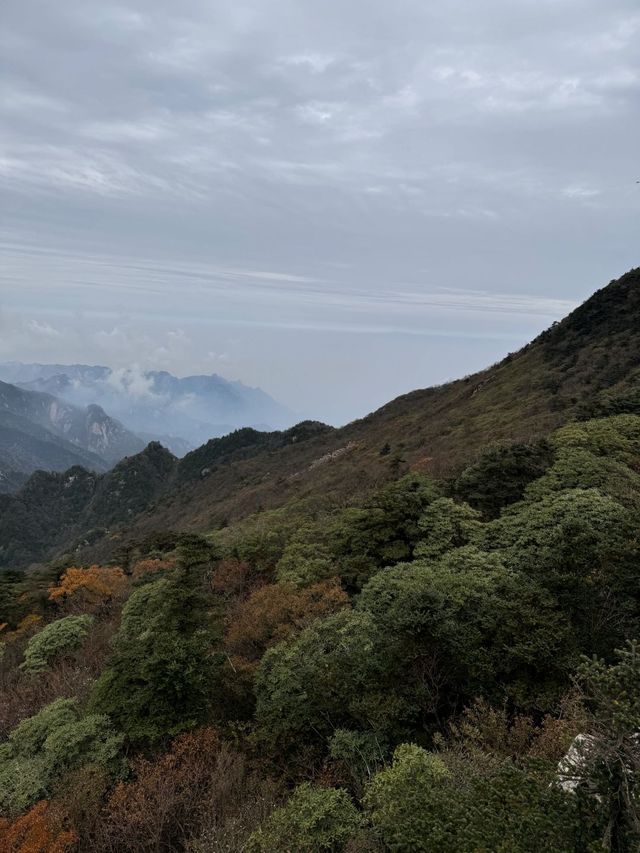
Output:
[[406, 635], [587, 364]]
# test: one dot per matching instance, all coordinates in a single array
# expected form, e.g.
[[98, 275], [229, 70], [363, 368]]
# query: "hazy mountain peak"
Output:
[[155, 403]]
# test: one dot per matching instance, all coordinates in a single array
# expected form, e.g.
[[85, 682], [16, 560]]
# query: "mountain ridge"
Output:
[[578, 365], [90, 434], [156, 403]]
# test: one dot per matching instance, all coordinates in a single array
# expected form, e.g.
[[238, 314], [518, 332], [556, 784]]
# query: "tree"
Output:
[[428, 803], [44, 747], [43, 829], [446, 525], [55, 639], [275, 612], [305, 560], [89, 588], [463, 626], [582, 546], [171, 798], [410, 803], [151, 564], [314, 819], [500, 476], [307, 687], [383, 532], [162, 676]]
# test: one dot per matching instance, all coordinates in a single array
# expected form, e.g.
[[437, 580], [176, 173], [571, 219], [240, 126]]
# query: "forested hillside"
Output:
[[589, 364], [417, 633]]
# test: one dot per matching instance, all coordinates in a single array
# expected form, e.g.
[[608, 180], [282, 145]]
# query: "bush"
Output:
[[410, 803], [313, 819], [44, 747], [56, 638], [162, 676], [419, 805]]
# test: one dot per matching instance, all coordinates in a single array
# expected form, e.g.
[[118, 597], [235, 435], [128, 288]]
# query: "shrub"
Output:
[[313, 819], [54, 640], [44, 747], [43, 829]]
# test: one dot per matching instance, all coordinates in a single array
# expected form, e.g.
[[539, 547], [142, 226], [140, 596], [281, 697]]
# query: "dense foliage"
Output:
[[440, 666]]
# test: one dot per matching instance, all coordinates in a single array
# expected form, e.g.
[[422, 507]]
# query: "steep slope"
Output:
[[55, 509], [89, 429], [156, 403], [589, 360], [572, 369], [26, 447]]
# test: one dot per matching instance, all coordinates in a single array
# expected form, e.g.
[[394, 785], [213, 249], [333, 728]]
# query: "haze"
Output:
[[337, 202]]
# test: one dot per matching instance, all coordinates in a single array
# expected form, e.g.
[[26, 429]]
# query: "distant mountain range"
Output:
[[179, 412], [55, 416], [38, 430]]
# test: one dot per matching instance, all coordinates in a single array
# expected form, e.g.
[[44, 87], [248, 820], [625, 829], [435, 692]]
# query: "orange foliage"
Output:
[[167, 794], [229, 576], [272, 613], [94, 586], [142, 567], [40, 830]]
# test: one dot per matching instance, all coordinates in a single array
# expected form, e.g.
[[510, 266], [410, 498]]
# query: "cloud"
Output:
[[42, 330], [269, 171], [132, 381]]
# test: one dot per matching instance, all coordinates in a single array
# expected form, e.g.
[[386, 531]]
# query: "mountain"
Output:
[[40, 431], [181, 412], [89, 429], [587, 364]]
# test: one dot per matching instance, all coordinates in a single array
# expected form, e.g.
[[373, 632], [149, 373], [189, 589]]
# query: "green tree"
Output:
[[383, 532], [162, 676], [313, 819], [500, 476], [582, 546], [54, 640], [306, 558], [446, 525], [44, 747], [466, 625], [411, 803], [307, 687], [426, 803]]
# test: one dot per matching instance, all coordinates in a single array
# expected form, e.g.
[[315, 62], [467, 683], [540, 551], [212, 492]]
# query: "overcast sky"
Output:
[[336, 200]]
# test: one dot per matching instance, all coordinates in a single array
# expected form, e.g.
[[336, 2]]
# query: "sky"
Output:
[[335, 201]]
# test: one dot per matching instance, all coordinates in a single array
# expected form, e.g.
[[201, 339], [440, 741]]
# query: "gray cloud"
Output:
[[267, 180]]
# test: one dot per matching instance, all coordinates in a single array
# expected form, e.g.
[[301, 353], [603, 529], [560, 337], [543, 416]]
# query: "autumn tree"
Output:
[[151, 565], [90, 588], [275, 612], [43, 829], [198, 788]]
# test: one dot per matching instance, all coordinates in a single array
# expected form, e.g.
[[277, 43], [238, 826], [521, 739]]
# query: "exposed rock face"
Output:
[[571, 768], [39, 431], [155, 403]]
